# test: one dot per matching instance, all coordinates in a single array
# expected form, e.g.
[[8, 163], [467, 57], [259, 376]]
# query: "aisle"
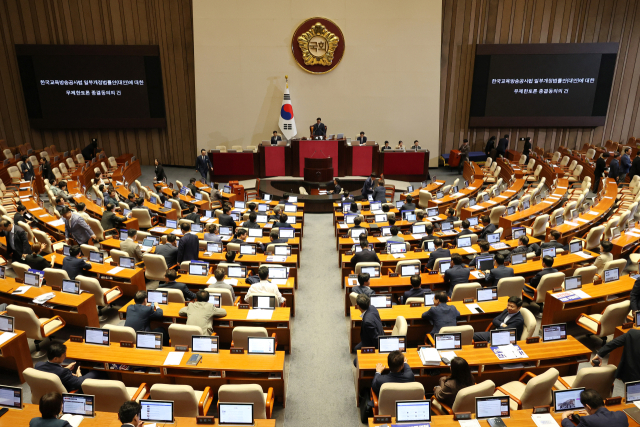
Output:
[[320, 388]]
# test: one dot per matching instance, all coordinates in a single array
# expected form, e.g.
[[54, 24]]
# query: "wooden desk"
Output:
[[200, 204], [128, 174], [79, 310], [15, 354], [432, 187], [450, 200], [123, 192], [563, 355], [280, 322], [267, 371]]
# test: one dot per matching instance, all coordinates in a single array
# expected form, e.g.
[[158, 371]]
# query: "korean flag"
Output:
[[287, 123]]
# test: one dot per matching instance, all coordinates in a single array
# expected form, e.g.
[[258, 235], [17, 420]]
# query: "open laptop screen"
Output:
[[490, 407], [156, 411], [96, 336], [567, 400], [78, 404], [413, 411], [557, 332], [11, 397], [387, 344], [610, 275], [448, 341], [235, 414], [632, 391], [6, 323], [503, 337], [204, 344]]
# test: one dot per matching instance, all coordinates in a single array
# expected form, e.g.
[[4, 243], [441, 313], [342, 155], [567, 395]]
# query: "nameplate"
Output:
[[433, 272], [349, 253], [353, 276], [379, 419], [243, 306], [406, 233], [627, 325], [76, 338], [383, 252], [417, 250], [457, 416], [338, 209], [415, 304], [480, 344], [393, 274], [56, 288], [428, 345], [205, 420], [182, 348], [236, 350], [533, 340], [558, 289], [113, 263], [59, 251], [468, 300], [269, 253], [127, 344], [370, 220], [542, 409], [597, 281], [366, 350], [613, 401], [183, 271], [18, 280], [375, 234]]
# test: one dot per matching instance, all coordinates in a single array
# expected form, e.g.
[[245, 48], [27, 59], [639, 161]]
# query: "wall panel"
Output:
[[466, 23], [167, 23]]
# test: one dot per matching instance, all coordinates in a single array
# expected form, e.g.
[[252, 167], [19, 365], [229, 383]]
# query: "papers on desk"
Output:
[[573, 224], [628, 233], [475, 207], [56, 222], [115, 270], [571, 295], [378, 212], [510, 191], [436, 201], [232, 282], [582, 220], [177, 231], [470, 250], [546, 202], [477, 274], [501, 197], [582, 254], [471, 188], [276, 258], [509, 351], [491, 202], [500, 245], [74, 420], [35, 210], [449, 232], [6, 337], [469, 423], [396, 256], [257, 314], [418, 236], [174, 358], [637, 403], [159, 229], [343, 226], [592, 213], [352, 282], [433, 218], [448, 355], [457, 194], [429, 356], [544, 420], [41, 299], [474, 308], [43, 216], [250, 240], [21, 290], [279, 282], [383, 238]]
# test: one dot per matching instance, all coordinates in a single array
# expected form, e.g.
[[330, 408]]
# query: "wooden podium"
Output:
[[318, 170]]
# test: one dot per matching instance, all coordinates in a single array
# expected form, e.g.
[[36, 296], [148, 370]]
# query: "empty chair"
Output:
[[116, 254], [181, 334], [145, 221], [103, 296], [423, 198], [20, 268], [110, 394], [547, 283], [536, 392], [360, 265], [226, 296], [55, 276], [586, 273], [36, 328], [539, 227], [465, 290], [240, 335], [236, 147], [593, 238], [496, 213], [249, 393], [604, 324], [173, 295], [510, 286], [466, 398], [41, 383], [400, 327], [466, 333], [620, 264], [385, 404], [155, 266], [598, 378], [186, 400], [221, 148], [529, 324], [121, 333]]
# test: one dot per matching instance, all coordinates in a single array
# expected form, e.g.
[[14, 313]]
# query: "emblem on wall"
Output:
[[318, 45]]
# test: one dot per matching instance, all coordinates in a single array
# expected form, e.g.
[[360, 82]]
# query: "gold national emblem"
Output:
[[318, 45]]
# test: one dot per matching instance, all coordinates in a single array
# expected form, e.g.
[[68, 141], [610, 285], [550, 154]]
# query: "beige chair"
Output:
[[103, 296], [587, 273], [249, 393], [237, 148], [547, 283], [536, 392], [401, 264], [510, 286], [465, 290], [79, 158], [436, 265], [55, 276], [240, 335], [539, 227], [97, 229], [121, 333], [42, 237], [41, 383], [529, 324], [225, 295], [173, 295], [496, 213], [603, 325], [116, 254], [176, 206], [465, 399], [87, 249], [466, 333], [155, 266], [110, 394], [400, 327], [144, 219], [20, 268], [620, 264], [423, 198], [15, 175], [36, 328], [593, 238], [353, 296], [181, 334], [187, 401], [360, 265], [223, 266], [385, 404], [598, 378]]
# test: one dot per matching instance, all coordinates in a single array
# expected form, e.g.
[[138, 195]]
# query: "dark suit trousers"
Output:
[[93, 375], [481, 336]]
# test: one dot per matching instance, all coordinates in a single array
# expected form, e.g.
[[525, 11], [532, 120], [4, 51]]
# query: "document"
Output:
[[628, 233], [544, 420], [74, 420], [469, 423], [21, 290], [177, 232], [56, 222], [211, 280], [276, 258], [343, 225], [6, 336], [279, 282], [159, 229], [383, 238], [396, 256], [583, 254], [174, 358], [509, 351], [35, 209], [477, 274], [41, 299], [471, 188], [474, 308], [470, 250], [232, 282], [448, 355], [501, 197], [592, 213], [457, 194], [256, 314], [491, 202], [475, 207], [250, 240], [429, 356], [43, 216], [573, 224], [582, 220], [115, 271], [418, 236]]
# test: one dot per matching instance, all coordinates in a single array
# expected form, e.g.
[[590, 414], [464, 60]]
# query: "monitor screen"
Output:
[[447, 225], [439, 195], [372, 271], [511, 210], [464, 242], [293, 199], [266, 197], [487, 294], [473, 221], [610, 275], [236, 271], [204, 344], [503, 337], [261, 345], [381, 218], [214, 247], [263, 207], [282, 250], [448, 341], [149, 340], [454, 189], [432, 212], [159, 297], [381, 301], [255, 232], [410, 189], [32, 279], [247, 249], [575, 247], [375, 206], [559, 220], [573, 282], [172, 223], [99, 202], [525, 205], [184, 191], [490, 407], [419, 229], [196, 228], [549, 252], [226, 231], [485, 197], [555, 332], [71, 286], [277, 272], [290, 208], [153, 200], [78, 404], [518, 232], [235, 414], [430, 246], [484, 263], [413, 411], [632, 391], [493, 237], [1, 272], [264, 302], [148, 242], [96, 336], [399, 204], [348, 218], [238, 204], [198, 196], [387, 344], [198, 269], [226, 189], [472, 202], [567, 400], [385, 231], [428, 299], [409, 270], [6, 323], [126, 212], [637, 318], [127, 262], [444, 266], [124, 234], [168, 204], [396, 248], [262, 219], [156, 411], [97, 257], [286, 233], [409, 216], [235, 216], [518, 259], [11, 397]]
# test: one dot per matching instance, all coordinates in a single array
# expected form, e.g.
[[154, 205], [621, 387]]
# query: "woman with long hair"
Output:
[[460, 378]]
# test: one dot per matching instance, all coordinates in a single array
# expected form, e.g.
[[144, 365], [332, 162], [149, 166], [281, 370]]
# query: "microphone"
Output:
[[314, 152], [323, 153]]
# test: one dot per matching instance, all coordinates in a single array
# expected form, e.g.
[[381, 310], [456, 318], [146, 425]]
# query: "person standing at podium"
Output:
[[275, 138], [362, 140], [319, 129]]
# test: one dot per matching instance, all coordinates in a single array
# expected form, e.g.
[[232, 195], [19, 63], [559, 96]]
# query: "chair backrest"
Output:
[[598, 378], [121, 333], [225, 295], [79, 158], [176, 206], [20, 268], [587, 273], [613, 316], [155, 266], [240, 335], [538, 389], [436, 265], [400, 328], [510, 286], [181, 334], [391, 392], [620, 264], [96, 227], [462, 203], [572, 165], [41, 383], [185, 402], [116, 254], [25, 320], [42, 237], [593, 237], [529, 324], [353, 296], [496, 213], [465, 290], [466, 332], [466, 397], [221, 148], [92, 285], [110, 394], [143, 217], [540, 225], [488, 162], [112, 162], [55, 276], [360, 265], [245, 393], [547, 283], [174, 295], [423, 198]]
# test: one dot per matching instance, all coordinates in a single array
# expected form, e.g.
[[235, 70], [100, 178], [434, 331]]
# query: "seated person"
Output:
[[408, 204], [487, 227], [80, 210], [595, 414], [386, 146], [192, 187], [140, 205], [282, 222], [416, 290], [484, 248], [441, 314], [252, 221], [175, 195], [56, 354], [141, 313], [371, 327], [438, 253], [509, 318], [553, 243], [451, 214], [523, 246], [465, 228], [193, 215], [129, 414], [394, 235], [221, 284], [112, 197], [493, 276], [225, 219], [362, 140], [400, 146], [276, 214], [273, 236], [419, 215], [36, 261], [169, 250], [399, 372], [356, 224], [354, 208], [461, 377], [365, 255], [364, 285], [170, 277], [50, 407], [110, 220], [336, 187], [73, 264], [131, 200], [20, 214], [635, 296], [201, 313], [60, 204], [240, 236], [416, 146], [429, 229], [455, 275], [62, 185], [547, 262], [264, 286], [252, 207], [130, 246], [604, 257], [212, 233]]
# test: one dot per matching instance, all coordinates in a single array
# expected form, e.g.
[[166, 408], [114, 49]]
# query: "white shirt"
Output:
[[264, 287]]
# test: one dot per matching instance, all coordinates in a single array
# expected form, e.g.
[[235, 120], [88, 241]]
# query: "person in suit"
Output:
[[189, 245], [400, 146], [20, 215], [27, 170], [59, 204], [465, 228], [614, 167], [635, 296], [394, 235], [159, 171], [73, 264], [212, 233], [598, 171], [273, 237], [527, 147], [595, 414], [275, 138], [56, 354], [416, 146], [175, 194], [47, 171], [399, 372], [219, 274], [523, 246], [441, 314], [36, 261], [50, 407], [76, 227], [252, 221], [547, 261], [408, 204], [276, 214], [89, 152], [319, 129], [365, 255], [625, 165], [491, 145], [464, 155], [112, 197], [240, 236], [362, 140], [386, 146], [168, 250], [635, 166], [193, 214], [487, 227], [110, 220], [438, 253], [141, 313], [553, 242], [451, 215], [203, 164], [192, 187], [379, 192], [131, 200], [367, 188], [500, 272], [502, 145], [416, 290], [130, 246], [456, 274], [282, 222], [201, 313], [336, 187], [371, 327], [364, 284], [225, 219], [509, 318], [129, 414], [448, 388], [17, 240], [628, 369], [170, 283], [429, 237]]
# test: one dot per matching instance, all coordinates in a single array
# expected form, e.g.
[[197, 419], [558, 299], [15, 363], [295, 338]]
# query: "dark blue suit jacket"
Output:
[[188, 248], [379, 194], [441, 315], [455, 276], [139, 317], [48, 422], [371, 327], [601, 418], [516, 321], [74, 266], [188, 295], [499, 273], [438, 253], [367, 187], [203, 165], [27, 170], [68, 380], [404, 376]]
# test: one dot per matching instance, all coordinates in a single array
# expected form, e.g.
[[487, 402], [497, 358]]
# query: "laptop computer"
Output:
[[204, 344], [78, 404], [156, 411], [235, 414], [556, 332], [96, 336], [415, 412]]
